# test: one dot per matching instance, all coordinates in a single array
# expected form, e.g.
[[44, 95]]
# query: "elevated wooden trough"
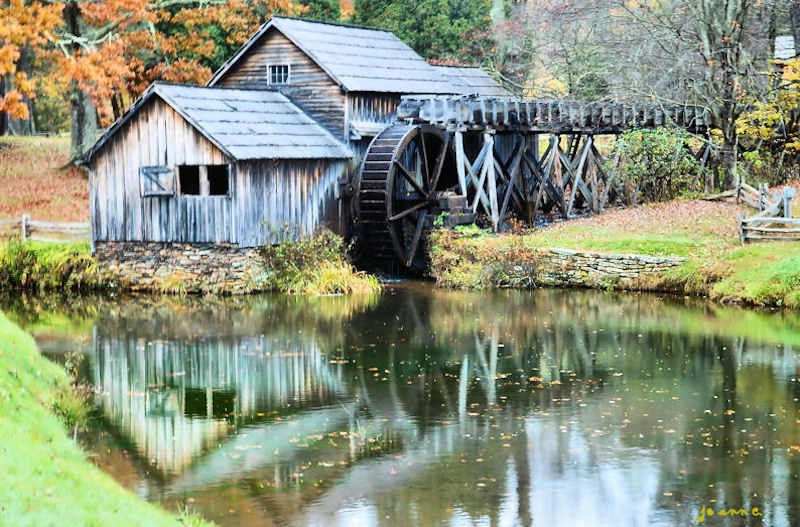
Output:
[[543, 116]]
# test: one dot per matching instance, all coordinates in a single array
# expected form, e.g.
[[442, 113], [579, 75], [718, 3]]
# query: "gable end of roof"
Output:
[[242, 124]]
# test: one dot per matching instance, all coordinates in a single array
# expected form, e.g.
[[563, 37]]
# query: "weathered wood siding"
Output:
[[156, 136], [283, 199], [310, 87], [373, 107]]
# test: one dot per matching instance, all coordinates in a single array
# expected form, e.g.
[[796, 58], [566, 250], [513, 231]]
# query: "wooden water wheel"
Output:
[[407, 178]]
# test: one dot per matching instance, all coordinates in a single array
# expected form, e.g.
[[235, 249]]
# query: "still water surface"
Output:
[[442, 408]]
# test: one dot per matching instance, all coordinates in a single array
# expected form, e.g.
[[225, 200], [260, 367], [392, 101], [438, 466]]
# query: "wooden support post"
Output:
[[742, 235], [25, 225], [494, 212], [478, 182], [545, 176], [540, 187], [461, 161], [576, 174], [788, 194], [512, 170]]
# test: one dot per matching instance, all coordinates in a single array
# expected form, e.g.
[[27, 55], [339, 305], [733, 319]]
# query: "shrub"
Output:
[[315, 265], [655, 165], [38, 266]]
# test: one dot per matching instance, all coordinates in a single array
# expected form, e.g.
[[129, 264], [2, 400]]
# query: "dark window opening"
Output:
[[279, 74], [189, 177], [204, 180], [217, 180]]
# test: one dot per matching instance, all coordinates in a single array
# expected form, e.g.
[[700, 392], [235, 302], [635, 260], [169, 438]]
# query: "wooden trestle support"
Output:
[[496, 157]]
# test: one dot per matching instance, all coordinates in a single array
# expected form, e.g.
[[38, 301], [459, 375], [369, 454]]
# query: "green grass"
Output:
[[46, 479], [624, 244], [674, 229], [717, 265], [762, 274], [41, 266], [315, 265]]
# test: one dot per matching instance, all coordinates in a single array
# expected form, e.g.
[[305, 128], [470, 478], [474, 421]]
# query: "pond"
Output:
[[430, 407]]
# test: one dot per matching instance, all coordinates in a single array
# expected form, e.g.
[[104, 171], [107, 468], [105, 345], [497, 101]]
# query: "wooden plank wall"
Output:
[[373, 107], [156, 136], [286, 198], [310, 87]]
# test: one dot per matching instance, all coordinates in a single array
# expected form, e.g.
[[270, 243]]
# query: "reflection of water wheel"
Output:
[[406, 170]]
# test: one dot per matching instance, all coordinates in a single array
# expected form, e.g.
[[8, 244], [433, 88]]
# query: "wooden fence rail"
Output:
[[751, 229], [27, 229], [775, 221]]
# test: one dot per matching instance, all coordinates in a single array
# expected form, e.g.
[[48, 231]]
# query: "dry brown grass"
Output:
[[33, 181], [673, 216]]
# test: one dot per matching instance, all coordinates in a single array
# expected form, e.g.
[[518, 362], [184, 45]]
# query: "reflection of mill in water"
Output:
[[548, 401], [175, 399], [178, 395]]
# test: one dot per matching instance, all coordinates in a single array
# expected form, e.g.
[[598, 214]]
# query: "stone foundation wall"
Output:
[[568, 268], [225, 268], [183, 267]]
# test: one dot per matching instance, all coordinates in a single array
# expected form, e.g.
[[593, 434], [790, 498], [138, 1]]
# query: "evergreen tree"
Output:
[[325, 10], [447, 30]]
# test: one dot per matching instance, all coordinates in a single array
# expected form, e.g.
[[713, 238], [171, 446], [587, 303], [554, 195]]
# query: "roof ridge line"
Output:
[[333, 23]]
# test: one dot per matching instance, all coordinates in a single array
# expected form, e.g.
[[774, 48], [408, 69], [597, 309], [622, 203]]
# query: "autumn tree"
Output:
[[325, 10], [112, 50], [23, 26], [770, 129], [707, 52]]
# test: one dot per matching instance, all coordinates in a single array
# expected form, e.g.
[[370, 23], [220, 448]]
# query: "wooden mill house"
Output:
[[261, 151]]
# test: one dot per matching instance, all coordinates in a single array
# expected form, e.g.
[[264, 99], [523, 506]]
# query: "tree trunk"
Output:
[[3, 115], [728, 155], [83, 122], [83, 114], [794, 13]]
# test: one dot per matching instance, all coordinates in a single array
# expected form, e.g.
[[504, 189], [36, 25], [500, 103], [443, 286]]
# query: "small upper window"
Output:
[[278, 74]]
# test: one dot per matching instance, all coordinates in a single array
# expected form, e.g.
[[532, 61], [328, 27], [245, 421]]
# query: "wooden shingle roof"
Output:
[[473, 81], [358, 59], [244, 124]]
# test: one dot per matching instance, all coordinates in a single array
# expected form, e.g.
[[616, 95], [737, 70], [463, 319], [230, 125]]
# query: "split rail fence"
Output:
[[26, 228], [775, 221]]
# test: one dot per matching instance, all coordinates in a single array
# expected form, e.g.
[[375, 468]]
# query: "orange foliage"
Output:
[[126, 50], [22, 25], [123, 45], [181, 71]]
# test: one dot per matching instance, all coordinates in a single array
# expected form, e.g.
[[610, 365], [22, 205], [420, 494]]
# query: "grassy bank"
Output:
[[315, 265], [47, 480], [704, 233], [40, 267]]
